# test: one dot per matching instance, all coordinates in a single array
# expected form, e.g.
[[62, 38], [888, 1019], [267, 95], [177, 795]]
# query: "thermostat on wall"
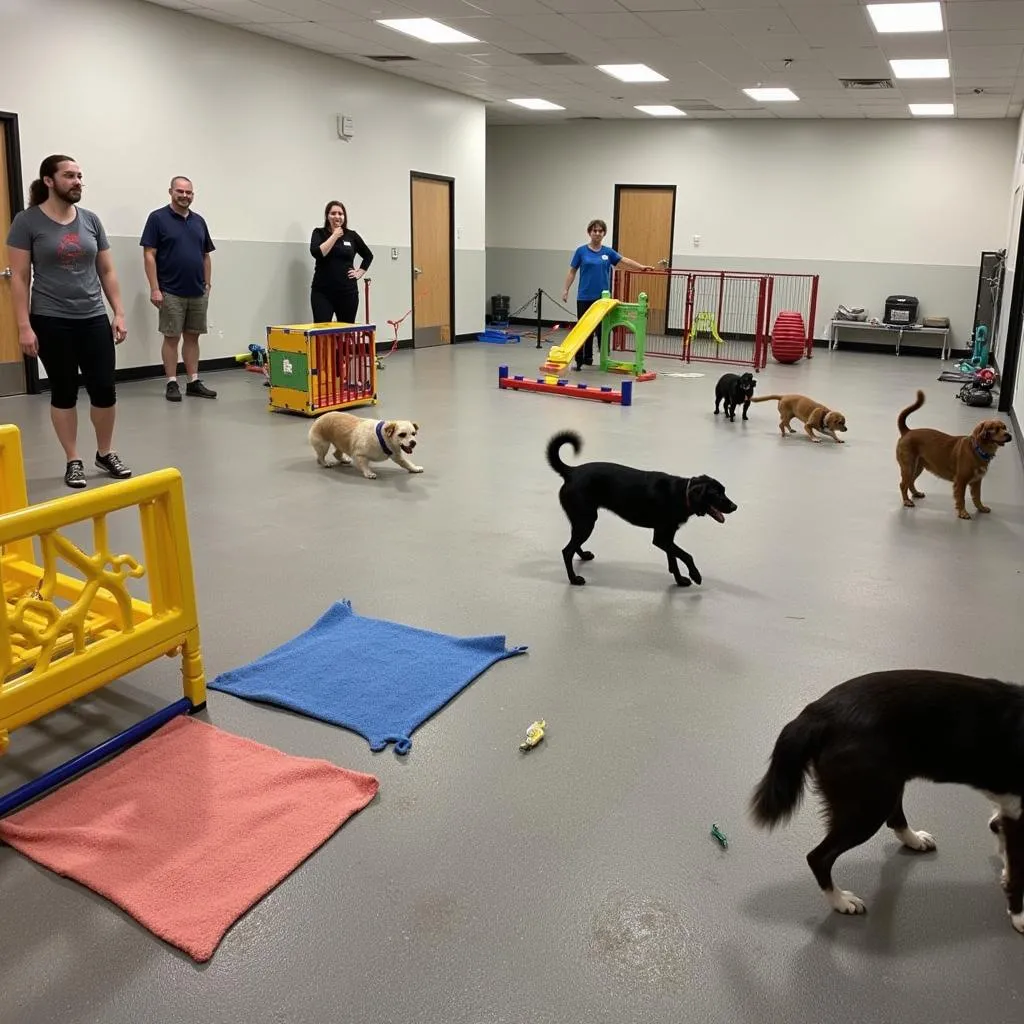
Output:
[[345, 127]]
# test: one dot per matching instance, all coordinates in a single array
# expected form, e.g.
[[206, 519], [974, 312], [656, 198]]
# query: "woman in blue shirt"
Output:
[[594, 262]]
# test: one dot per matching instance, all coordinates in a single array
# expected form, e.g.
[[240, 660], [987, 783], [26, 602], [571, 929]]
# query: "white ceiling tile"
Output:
[[857, 62], [685, 24], [309, 10], [772, 47], [766, 19], [574, 6], [737, 5], [500, 7], [982, 60], [614, 26], [440, 10], [826, 26], [985, 14], [1009, 37], [661, 5], [897, 46]]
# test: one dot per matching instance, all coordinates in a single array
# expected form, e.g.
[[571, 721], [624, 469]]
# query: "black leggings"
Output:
[[586, 354], [67, 346], [326, 304]]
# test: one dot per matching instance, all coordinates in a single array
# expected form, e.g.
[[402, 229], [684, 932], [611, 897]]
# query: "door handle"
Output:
[[416, 271], [7, 272]]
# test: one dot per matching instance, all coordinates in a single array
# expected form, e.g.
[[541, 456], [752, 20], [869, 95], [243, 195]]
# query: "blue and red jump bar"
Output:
[[595, 394]]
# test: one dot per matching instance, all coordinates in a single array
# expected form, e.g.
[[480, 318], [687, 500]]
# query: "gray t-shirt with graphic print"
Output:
[[64, 278]]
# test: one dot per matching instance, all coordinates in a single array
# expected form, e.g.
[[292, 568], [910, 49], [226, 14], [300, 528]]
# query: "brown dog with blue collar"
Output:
[[963, 459]]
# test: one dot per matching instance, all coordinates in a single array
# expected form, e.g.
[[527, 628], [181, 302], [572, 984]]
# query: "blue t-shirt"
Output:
[[595, 271], [180, 243]]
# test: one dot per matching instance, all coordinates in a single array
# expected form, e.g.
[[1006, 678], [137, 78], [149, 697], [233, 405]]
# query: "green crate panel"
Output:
[[289, 370]]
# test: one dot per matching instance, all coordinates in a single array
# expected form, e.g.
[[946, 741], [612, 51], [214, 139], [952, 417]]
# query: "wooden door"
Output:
[[12, 362], [644, 218], [432, 260]]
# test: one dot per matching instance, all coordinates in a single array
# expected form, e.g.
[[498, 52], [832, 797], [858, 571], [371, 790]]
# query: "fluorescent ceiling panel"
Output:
[[427, 29], [631, 72], [906, 17], [537, 104]]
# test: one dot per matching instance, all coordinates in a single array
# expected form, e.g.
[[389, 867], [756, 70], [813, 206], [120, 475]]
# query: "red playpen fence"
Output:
[[344, 366], [719, 316]]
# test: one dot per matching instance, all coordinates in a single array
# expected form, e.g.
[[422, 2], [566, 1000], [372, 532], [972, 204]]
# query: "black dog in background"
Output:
[[647, 498], [734, 389]]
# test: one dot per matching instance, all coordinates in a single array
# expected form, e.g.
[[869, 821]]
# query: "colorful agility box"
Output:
[[561, 386], [64, 634], [317, 368]]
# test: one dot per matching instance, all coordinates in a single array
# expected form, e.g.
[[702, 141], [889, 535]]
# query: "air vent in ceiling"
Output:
[[866, 83], [551, 60], [689, 105], [389, 58]]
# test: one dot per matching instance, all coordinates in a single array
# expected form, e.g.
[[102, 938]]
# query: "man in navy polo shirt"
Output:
[[176, 248]]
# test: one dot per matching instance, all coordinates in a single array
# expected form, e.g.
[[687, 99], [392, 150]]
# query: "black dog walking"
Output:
[[646, 498], [734, 389]]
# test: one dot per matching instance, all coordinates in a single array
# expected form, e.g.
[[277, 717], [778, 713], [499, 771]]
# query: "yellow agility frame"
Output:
[[63, 636]]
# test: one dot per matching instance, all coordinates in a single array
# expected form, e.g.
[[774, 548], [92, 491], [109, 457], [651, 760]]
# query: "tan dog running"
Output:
[[812, 414], [963, 459], [364, 441]]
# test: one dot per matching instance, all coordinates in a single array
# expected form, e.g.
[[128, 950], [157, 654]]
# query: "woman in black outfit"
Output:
[[335, 289]]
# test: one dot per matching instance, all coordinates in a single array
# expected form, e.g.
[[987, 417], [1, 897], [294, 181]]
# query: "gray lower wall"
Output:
[[942, 290], [260, 283]]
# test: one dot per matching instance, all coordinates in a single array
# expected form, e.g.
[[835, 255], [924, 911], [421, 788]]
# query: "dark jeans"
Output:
[[327, 304], [586, 353], [67, 346]]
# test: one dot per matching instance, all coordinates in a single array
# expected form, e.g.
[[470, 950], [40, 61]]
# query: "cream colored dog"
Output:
[[364, 441]]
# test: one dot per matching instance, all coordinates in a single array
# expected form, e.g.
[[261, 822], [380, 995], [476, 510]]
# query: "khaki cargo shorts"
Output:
[[183, 315]]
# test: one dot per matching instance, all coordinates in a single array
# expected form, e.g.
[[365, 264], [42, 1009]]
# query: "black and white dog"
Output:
[[656, 501], [866, 738], [734, 389]]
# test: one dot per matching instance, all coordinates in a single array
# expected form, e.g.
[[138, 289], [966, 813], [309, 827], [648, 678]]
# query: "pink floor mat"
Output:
[[189, 828]]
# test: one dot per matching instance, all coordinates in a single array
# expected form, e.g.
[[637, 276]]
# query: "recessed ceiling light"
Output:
[[537, 104], [932, 109], [427, 29], [906, 17], [662, 110], [772, 95], [631, 72], [937, 67]]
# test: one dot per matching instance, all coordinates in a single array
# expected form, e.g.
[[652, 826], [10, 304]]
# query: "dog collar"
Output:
[[380, 437], [982, 454], [824, 413]]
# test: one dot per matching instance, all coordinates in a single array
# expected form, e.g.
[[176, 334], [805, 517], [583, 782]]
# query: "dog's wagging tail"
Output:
[[901, 420], [555, 451], [779, 793]]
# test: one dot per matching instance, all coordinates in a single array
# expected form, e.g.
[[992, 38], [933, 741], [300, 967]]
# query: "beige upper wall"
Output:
[[880, 191]]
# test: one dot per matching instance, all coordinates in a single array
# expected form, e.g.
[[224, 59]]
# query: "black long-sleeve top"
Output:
[[331, 273]]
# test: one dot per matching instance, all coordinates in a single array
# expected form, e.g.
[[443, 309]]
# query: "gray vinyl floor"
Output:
[[578, 883]]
